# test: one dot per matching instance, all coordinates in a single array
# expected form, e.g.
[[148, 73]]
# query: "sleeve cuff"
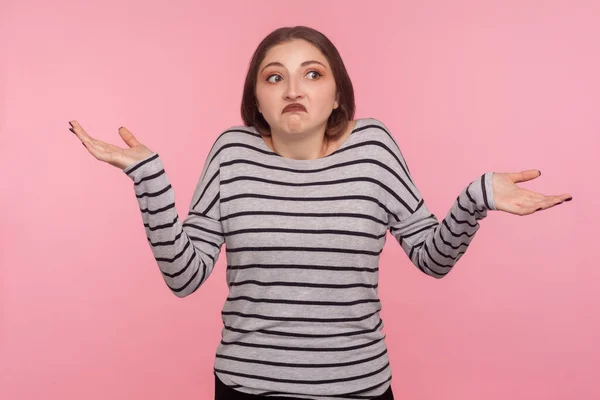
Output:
[[486, 189], [148, 165], [482, 191]]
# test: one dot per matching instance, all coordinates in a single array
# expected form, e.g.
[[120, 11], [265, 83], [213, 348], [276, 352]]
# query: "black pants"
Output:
[[223, 392]]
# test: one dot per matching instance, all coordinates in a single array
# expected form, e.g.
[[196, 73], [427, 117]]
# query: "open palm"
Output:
[[516, 200], [111, 154]]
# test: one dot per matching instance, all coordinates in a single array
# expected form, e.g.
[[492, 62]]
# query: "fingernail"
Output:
[[540, 172], [72, 130], [538, 210], [569, 199], [70, 124]]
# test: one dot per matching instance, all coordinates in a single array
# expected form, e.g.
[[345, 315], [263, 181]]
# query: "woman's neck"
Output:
[[305, 146]]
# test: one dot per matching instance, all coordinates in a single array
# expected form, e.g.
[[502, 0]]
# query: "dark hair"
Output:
[[339, 118]]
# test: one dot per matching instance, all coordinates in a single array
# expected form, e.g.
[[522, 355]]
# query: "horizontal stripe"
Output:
[[159, 210], [304, 284], [141, 164], [302, 302], [150, 177], [304, 349], [201, 228], [304, 249], [310, 382], [163, 226], [297, 319], [299, 365], [305, 335], [304, 231], [305, 215], [303, 267]]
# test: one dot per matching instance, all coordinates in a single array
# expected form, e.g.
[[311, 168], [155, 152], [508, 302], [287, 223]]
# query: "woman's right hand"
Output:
[[113, 155]]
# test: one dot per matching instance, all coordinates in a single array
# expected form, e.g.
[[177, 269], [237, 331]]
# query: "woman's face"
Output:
[[295, 72]]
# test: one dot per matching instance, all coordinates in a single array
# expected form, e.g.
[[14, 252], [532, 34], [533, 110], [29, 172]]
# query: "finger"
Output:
[[526, 205], [93, 149], [526, 175], [566, 197], [78, 130], [551, 201], [128, 137], [97, 148]]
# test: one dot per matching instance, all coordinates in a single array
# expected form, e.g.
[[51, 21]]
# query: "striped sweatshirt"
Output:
[[303, 240]]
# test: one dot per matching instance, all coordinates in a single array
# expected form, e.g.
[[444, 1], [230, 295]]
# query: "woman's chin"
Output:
[[294, 124]]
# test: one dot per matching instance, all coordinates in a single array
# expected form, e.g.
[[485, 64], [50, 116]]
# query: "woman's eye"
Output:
[[316, 75], [273, 76]]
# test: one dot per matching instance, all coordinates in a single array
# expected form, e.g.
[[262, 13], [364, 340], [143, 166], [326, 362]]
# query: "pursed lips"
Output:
[[294, 107]]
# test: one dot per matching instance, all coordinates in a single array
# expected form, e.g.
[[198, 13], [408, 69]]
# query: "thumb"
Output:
[[526, 175], [128, 137]]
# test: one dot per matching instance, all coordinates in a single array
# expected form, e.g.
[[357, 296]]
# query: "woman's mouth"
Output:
[[294, 107]]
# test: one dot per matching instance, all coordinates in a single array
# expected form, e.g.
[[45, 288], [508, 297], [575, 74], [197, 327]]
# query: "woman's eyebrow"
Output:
[[305, 63]]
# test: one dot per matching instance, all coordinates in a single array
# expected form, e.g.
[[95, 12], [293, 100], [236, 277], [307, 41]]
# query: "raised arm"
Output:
[[435, 247], [186, 251], [432, 246]]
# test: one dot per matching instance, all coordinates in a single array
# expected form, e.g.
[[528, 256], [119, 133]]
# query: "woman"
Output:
[[303, 195]]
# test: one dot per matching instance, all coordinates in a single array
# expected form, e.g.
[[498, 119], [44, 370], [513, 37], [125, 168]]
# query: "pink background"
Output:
[[465, 87]]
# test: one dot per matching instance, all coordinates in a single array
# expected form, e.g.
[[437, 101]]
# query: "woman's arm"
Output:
[[186, 251], [435, 247]]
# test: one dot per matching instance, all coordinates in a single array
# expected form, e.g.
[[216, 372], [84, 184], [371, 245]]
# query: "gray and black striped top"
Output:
[[303, 239]]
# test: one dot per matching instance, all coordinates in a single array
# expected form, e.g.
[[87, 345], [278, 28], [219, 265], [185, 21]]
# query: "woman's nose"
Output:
[[294, 89]]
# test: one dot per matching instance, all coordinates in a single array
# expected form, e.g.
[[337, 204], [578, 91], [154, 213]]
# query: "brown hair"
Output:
[[339, 118]]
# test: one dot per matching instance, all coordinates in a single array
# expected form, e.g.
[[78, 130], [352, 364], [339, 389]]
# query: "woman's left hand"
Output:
[[516, 200]]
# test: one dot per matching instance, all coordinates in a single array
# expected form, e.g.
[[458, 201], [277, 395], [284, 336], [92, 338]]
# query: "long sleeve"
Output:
[[185, 252], [432, 246]]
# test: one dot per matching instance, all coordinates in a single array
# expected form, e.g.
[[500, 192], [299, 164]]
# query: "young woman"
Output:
[[303, 196]]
